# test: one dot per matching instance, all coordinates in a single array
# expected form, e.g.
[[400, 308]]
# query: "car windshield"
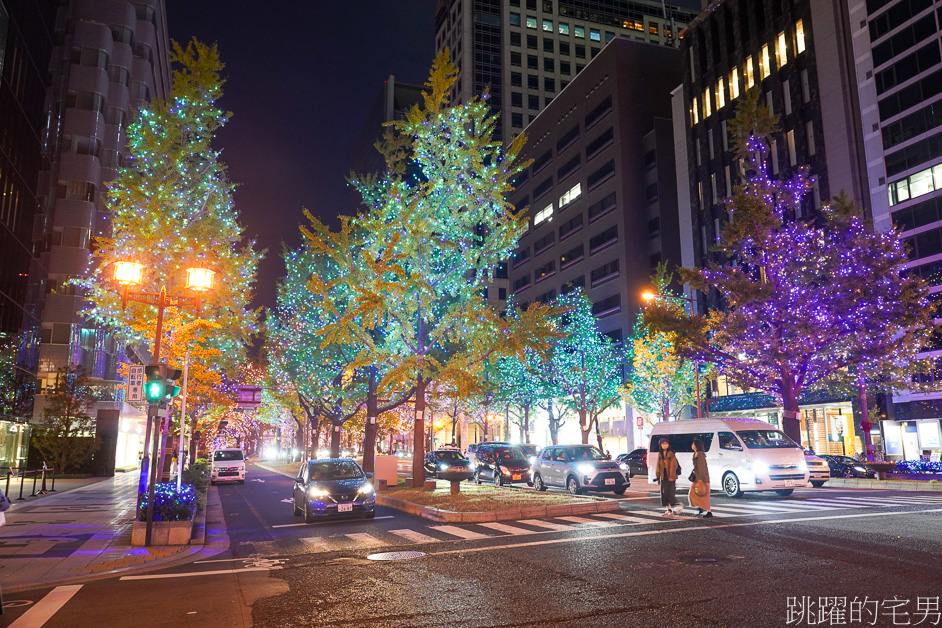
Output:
[[226, 455], [528, 448], [508, 453], [585, 453], [448, 455], [339, 470], [766, 439]]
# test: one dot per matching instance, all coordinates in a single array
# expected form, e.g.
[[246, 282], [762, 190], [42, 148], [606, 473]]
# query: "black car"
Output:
[[636, 461], [847, 467], [445, 461], [502, 464], [333, 487]]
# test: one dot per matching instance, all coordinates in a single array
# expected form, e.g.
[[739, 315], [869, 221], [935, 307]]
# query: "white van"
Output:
[[742, 454], [228, 466]]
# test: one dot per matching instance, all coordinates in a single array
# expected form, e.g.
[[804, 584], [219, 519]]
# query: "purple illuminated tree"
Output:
[[805, 305]]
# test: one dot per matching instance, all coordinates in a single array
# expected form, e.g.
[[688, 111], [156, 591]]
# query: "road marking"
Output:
[[625, 518], [591, 522], [216, 572], [45, 608], [364, 540], [559, 527], [503, 527], [415, 537], [317, 543], [620, 535], [287, 501], [320, 523], [460, 532]]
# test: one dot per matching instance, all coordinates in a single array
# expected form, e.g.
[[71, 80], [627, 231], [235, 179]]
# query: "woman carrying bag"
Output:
[[700, 488], [666, 475]]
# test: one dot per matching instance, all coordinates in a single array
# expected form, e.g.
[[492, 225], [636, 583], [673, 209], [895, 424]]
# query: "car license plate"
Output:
[[344, 507], [517, 477], [794, 483], [609, 481]]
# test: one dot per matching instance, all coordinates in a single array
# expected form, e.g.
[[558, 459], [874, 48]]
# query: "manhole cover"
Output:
[[395, 555]]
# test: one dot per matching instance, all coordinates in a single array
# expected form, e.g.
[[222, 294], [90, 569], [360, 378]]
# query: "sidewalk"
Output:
[[85, 534]]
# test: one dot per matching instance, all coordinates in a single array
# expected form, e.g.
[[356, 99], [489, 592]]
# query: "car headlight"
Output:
[[532, 459], [317, 492], [585, 469], [366, 489], [443, 467], [623, 466], [861, 469], [759, 467], [803, 465]]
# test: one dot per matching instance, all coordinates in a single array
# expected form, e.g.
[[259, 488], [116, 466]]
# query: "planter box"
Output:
[[162, 533]]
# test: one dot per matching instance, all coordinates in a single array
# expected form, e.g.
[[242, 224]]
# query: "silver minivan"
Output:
[[578, 468]]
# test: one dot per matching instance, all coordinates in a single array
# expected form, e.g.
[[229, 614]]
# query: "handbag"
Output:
[[700, 489], [692, 477]]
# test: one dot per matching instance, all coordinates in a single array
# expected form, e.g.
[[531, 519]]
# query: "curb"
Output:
[[890, 485], [447, 516]]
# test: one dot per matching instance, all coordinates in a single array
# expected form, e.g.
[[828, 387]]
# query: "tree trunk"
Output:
[[553, 424], [418, 437], [583, 426], [864, 413], [598, 435], [526, 424], [791, 424], [335, 439], [369, 435]]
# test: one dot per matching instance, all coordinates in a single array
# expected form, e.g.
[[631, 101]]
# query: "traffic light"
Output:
[[161, 386]]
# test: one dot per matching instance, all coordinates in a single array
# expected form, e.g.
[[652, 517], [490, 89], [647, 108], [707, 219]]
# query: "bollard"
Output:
[[455, 487], [34, 483], [53, 489], [7, 491], [22, 482], [42, 486]]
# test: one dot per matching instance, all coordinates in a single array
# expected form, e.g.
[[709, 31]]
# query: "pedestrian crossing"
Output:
[[750, 506]]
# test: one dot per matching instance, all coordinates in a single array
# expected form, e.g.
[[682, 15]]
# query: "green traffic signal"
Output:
[[154, 391]]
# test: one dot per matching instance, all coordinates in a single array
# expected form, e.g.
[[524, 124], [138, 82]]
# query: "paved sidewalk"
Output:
[[85, 534]]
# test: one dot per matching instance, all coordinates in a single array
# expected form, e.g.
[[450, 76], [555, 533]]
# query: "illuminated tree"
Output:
[[585, 367], [804, 303], [523, 387], [171, 208], [430, 239], [67, 436]]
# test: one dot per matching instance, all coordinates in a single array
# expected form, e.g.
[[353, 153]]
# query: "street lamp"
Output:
[[650, 296]]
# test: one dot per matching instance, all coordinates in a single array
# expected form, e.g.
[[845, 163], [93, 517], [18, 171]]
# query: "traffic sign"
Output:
[[136, 382], [250, 396], [639, 421]]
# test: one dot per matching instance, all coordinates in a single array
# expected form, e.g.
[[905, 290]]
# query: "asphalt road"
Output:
[[759, 562]]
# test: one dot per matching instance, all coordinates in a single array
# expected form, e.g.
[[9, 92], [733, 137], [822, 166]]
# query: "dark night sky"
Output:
[[301, 77]]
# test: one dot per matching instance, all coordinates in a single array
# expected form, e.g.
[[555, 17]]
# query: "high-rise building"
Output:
[[898, 53], [601, 192], [111, 57], [799, 55], [526, 51], [26, 43]]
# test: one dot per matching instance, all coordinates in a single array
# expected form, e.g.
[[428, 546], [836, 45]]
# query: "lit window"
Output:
[[594, 34], [707, 111], [720, 95], [695, 111], [543, 215], [531, 22], [652, 29], [764, 69], [799, 38], [734, 84], [548, 26], [749, 74], [563, 28], [781, 52], [580, 32], [921, 183], [570, 195]]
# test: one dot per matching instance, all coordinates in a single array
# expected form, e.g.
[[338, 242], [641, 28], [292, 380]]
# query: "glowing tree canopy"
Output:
[[804, 304], [171, 209]]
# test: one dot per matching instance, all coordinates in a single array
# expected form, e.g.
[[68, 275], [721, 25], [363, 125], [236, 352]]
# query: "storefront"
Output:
[[14, 444], [913, 440], [130, 444]]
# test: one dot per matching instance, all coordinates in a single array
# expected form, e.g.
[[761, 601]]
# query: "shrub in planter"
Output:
[[918, 466], [170, 505], [197, 474]]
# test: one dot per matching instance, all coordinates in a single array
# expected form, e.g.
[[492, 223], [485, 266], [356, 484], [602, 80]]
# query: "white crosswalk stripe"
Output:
[[314, 543], [415, 537], [624, 518], [459, 532], [365, 540], [593, 522], [508, 529], [549, 525]]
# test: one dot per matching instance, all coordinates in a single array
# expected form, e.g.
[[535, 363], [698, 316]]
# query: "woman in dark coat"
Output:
[[666, 475], [700, 489]]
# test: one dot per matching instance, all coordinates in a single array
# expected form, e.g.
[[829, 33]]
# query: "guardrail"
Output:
[[37, 475]]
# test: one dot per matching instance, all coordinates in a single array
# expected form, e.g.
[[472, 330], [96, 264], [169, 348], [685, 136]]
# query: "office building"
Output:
[[799, 56], [26, 43], [601, 192], [526, 51], [898, 71]]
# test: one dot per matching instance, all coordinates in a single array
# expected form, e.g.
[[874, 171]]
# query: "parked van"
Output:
[[742, 454], [228, 466]]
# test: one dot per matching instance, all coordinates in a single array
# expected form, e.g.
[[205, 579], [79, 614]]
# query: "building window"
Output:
[[515, 58], [546, 297], [564, 48], [515, 19], [607, 306], [533, 81], [596, 114], [809, 131], [571, 256], [515, 38], [502, 294], [602, 207], [805, 87], [734, 84], [570, 227], [781, 50], [501, 271], [531, 22], [603, 273], [749, 73], [580, 53], [595, 146], [654, 228], [571, 194], [543, 215], [652, 28], [605, 172], [544, 243], [522, 283], [546, 270], [516, 79], [568, 168], [790, 140], [799, 37], [572, 285], [566, 140], [516, 99], [580, 32], [695, 112], [563, 28], [595, 35], [533, 102], [651, 192], [533, 62], [707, 110], [547, 26], [720, 95], [521, 257], [549, 84], [565, 68], [516, 119], [549, 65], [609, 36], [548, 45], [764, 67], [602, 240]]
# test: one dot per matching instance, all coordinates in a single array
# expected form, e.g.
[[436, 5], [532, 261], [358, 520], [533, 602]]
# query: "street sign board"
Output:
[[250, 396], [639, 421], [136, 383]]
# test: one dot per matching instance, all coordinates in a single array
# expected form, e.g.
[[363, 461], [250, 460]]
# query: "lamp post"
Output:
[[650, 296], [126, 275]]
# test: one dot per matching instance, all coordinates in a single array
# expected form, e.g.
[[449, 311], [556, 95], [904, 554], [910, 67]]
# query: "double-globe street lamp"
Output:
[[128, 274], [650, 296]]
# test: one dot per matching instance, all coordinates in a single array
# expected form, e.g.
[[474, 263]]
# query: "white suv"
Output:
[[228, 466]]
